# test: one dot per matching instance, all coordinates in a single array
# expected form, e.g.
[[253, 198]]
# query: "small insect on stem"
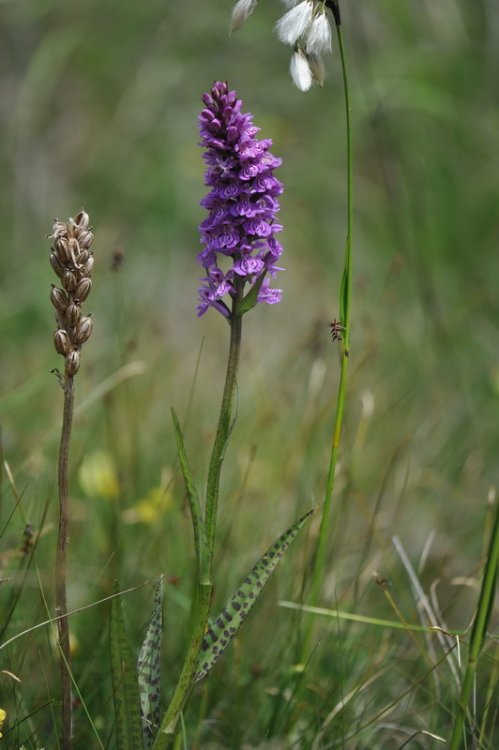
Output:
[[337, 330]]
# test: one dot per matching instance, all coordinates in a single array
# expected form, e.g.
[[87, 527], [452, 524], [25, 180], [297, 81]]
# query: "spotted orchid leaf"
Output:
[[149, 670], [125, 686], [223, 628]]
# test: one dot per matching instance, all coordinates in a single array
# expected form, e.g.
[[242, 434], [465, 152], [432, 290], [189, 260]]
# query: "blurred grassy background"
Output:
[[99, 105]]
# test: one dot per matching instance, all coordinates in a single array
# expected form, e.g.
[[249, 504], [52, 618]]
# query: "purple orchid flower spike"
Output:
[[240, 248]]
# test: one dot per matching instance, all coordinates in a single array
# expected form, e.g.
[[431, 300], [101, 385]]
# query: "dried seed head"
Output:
[[83, 330], [72, 363], [83, 289], [61, 342], [58, 298], [69, 281], [72, 261]]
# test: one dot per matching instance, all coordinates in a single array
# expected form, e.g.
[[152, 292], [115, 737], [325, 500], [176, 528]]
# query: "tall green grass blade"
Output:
[[222, 630], [479, 631], [194, 504], [149, 670], [125, 685]]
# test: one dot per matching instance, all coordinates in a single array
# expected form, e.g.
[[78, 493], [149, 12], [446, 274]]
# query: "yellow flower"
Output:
[[150, 508], [98, 475], [3, 716]]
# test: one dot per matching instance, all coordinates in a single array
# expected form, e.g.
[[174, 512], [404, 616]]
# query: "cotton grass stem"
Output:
[[478, 633], [345, 312], [61, 565]]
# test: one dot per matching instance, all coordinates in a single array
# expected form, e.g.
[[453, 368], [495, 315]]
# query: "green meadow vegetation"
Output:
[[99, 106]]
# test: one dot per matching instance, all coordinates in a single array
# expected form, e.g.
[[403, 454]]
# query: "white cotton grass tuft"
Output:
[[295, 22], [300, 70], [319, 35], [240, 13]]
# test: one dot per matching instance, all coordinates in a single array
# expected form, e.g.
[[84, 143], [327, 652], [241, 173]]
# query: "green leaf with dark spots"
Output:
[[223, 628], [149, 670], [125, 685]]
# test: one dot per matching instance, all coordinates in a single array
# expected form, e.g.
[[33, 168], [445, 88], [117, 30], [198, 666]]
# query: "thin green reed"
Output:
[[343, 332]]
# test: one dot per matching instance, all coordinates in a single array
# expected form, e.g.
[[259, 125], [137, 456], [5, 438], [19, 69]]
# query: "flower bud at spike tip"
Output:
[[61, 342], [72, 363], [242, 204], [83, 330]]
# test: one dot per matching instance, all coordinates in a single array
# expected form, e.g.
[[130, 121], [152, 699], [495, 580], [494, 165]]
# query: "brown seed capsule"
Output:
[[73, 314], [56, 264], [69, 281], [82, 219], [88, 267], [83, 289], [61, 342], [85, 240], [83, 330], [62, 250], [59, 298], [72, 362]]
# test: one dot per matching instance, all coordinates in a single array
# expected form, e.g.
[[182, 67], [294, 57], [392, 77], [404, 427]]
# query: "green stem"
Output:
[[61, 565], [484, 610], [201, 609], [224, 426], [345, 304]]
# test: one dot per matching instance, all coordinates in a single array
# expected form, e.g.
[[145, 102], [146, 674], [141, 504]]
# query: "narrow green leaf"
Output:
[[149, 670], [194, 504], [125, 686], [222, 630]]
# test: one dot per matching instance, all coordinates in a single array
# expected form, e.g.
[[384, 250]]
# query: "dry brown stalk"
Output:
[[72, 261]]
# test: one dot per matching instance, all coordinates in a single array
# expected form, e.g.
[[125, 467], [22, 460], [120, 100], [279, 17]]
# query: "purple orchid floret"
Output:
[[242, 204]]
